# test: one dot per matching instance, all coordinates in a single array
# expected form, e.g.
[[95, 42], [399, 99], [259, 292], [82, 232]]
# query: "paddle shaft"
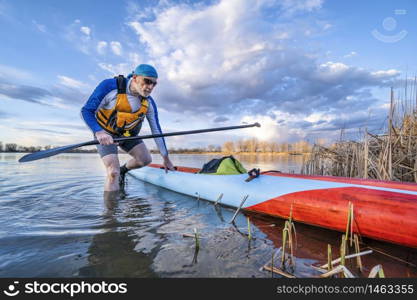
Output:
[[150, 136], [55, 151], [184, 132]]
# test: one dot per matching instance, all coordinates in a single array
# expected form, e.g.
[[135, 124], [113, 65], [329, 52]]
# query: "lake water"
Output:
[[54, 222]]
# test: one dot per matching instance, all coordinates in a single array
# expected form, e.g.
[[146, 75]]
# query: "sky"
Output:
[[303, 69]]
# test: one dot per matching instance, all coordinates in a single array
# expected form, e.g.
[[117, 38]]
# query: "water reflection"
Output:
[[219, 213], [55, 222], [112, 253], [312, 249]]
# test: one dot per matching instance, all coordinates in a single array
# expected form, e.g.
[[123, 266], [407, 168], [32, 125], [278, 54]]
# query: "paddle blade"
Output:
[[47, 153]]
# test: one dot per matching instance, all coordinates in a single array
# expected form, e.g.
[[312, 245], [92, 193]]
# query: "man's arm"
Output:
[[89, 109], [152, 117]]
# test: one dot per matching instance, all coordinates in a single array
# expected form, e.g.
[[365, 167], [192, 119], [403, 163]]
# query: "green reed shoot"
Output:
[[349, 223], [196, 239], [343, 251], [287, 238], [381, 273], [357, 250], [284, 243], [329, 258], [249, 229]]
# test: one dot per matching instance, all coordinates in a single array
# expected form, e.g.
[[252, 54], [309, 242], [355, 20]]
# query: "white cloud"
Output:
[[225, 60], [327, 26], [225, 44], [333, 67], [282, 36], [92, 78], [386, 73], [59, 103], [351, 54], [42, 133], [192, 44], [269, 128], [86, 30], [71, 82], [295, 6], [318, 116], [8, 72], [116, 69], [223, 57], [40, 27], [83, 42], [331, 70], [116, 47], [101, 47], [135, 58]]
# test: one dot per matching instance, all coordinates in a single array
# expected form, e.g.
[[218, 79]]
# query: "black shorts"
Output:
[[104, 150]]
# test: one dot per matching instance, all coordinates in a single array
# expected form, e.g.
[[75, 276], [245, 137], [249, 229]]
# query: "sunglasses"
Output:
[[148, 81]]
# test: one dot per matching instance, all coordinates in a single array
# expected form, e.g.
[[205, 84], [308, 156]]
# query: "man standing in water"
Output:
[[117, 108]]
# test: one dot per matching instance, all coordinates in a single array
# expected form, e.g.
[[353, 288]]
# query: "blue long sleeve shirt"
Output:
[[105, 96]]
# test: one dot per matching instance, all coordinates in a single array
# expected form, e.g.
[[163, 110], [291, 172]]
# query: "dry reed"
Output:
[[388, 156]]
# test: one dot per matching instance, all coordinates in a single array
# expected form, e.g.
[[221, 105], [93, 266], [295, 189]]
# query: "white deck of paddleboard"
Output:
[[234, 188]]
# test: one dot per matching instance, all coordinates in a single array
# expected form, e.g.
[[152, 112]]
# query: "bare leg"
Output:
[[110, 201], [141, 157], [111, 162]]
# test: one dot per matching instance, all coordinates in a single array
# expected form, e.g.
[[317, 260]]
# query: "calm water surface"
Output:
[[55, 223]]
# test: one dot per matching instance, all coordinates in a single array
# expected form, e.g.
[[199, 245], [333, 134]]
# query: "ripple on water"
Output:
[[54, 222]]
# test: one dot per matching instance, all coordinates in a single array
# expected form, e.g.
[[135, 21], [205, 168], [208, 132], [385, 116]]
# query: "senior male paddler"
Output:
[[116, 108]]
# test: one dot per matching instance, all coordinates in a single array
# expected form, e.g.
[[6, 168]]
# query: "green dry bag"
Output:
[[227, 165]]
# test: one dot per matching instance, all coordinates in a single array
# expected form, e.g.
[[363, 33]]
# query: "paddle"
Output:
[[55, 151]]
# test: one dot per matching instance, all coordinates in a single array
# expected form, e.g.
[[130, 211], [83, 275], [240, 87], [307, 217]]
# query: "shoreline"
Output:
[[202, 153], [236, 153]]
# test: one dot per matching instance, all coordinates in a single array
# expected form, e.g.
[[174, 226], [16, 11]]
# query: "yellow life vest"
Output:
[[120, 119]]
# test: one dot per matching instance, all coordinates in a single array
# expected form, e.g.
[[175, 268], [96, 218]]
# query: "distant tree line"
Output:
[[252, 145], [248, 146], [12, 147]]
